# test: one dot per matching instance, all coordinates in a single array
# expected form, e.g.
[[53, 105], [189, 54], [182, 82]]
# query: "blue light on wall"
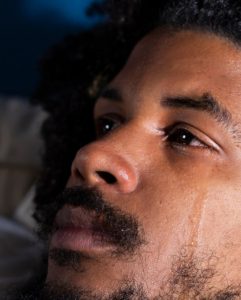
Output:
[[68, 11], [27, 29]]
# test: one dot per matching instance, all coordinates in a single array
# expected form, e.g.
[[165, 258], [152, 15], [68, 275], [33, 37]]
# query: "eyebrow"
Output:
[[206, 103], [209, 104]]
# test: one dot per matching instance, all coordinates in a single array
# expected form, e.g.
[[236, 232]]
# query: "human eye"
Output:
[[107, 123], [186, 137]]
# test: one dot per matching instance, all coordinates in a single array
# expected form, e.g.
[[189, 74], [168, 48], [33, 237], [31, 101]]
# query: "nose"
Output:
[[98, 165]]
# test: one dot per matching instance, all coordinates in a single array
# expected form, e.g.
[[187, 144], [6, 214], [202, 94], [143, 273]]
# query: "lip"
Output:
[[74, 230]]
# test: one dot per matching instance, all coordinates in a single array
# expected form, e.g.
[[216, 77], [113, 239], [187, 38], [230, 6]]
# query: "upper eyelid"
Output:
[[104, 106], [184, 125], [110, 116]]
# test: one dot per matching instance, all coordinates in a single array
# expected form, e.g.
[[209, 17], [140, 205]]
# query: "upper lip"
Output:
[[77, 217]]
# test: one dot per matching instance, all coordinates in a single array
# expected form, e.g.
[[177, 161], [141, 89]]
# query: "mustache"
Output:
[[118, 228]]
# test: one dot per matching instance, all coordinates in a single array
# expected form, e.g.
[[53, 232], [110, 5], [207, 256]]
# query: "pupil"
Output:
[[182, 137], [107, 126], [104, 126]]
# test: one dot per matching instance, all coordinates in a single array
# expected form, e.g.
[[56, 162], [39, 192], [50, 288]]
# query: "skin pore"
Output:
[[167, 154]]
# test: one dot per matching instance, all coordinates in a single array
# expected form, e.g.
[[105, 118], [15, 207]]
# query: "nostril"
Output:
[[108, 178]]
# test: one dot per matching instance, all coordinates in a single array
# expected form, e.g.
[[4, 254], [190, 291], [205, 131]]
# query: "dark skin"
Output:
[[169, 134]]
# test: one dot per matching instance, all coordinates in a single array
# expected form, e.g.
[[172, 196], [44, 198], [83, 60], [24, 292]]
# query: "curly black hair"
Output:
[[74, 72]]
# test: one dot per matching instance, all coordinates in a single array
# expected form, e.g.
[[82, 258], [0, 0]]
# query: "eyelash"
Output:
[[177, 136]]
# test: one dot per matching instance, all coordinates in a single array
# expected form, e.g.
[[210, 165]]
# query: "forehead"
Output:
[[184, 62]]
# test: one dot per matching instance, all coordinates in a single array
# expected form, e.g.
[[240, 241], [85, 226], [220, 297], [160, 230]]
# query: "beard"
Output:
[[127, 291], [187, 280]]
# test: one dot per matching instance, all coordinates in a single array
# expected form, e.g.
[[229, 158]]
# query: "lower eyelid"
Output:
[[201, 144]]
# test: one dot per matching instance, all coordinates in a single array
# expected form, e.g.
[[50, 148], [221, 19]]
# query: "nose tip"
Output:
[[94, 166]]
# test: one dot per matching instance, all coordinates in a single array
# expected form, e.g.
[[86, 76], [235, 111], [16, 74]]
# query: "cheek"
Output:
[[221, 221], [173, 196], [169, 214], [191, 208], [171, 203]]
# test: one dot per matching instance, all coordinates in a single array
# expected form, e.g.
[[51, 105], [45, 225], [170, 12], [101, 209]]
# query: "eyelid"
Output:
[[104, 107], [110, 116], [197, 133]]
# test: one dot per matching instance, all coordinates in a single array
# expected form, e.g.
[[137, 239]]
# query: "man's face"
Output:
[[167, 158]]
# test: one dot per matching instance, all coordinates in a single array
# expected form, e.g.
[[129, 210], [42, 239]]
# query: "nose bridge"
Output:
[[123, 141], [109, 162]]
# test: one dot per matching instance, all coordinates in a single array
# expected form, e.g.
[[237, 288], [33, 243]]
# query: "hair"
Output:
[[74, 72]]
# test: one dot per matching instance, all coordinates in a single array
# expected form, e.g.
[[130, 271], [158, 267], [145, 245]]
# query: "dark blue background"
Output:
[[27, 29]]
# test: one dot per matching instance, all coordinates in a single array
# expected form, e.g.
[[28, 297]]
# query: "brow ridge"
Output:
[[205, 102], [112, 94]]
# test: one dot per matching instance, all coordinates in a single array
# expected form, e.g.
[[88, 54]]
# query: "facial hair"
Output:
[[57, 292], [187, 280], [119, 229]]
